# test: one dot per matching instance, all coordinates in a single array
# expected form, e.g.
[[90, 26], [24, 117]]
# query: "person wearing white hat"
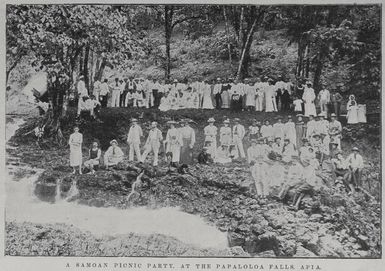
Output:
[[75, 142], [82, 92], [322, 125], [335, 130], [210, 132], [238, 135], [133, 139], [356, 164], [188, 142], [174, 143], [324, 99], [308, 97], [153, 142], [113, 155]]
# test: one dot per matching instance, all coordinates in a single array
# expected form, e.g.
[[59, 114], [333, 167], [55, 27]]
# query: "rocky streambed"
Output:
[[329, 224]]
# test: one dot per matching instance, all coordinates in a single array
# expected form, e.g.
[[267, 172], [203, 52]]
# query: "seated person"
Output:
[[288, 150], [94, 157], [294, 174], [204, 157], [222, 156], [341, 170], [113, 155]]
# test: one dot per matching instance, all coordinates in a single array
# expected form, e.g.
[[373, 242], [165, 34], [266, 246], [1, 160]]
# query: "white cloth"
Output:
[[290, 132], [355, 161], [271, 105], [250, 95], [153, 142], [174, 142], [361, 113], [267, 131], [298, 105], [210, 133], [352, 115], [207, 102], [238, 134]]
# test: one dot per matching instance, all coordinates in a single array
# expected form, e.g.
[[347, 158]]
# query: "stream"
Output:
[[22, 206]]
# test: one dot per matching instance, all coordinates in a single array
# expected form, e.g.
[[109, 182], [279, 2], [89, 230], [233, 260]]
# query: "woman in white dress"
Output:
[[75, 142], [352, 109], [207, 102], [271, 105], [174, 142], [165, 103], [308, 97]]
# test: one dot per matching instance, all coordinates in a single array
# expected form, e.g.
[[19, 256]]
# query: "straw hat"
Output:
[[113, 141]]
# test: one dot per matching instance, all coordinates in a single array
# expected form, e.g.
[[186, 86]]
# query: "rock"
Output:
[[315, 217], [304, 253], [265, 254], [236, 239]]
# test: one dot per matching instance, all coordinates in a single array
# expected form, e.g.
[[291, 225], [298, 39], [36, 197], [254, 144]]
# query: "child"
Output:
[[297, 105]]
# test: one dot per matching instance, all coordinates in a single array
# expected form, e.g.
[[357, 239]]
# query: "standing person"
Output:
[[174, 142], [155, 86], [267, 130], [225, 137], [104, 91], [298, 105], [278, 96], [270, 105], [217, 93], [286, 99], [133, 139], [308, 97], [352, 109], [82, 92], [356, 164], [206, 99], [238, 135], [113, 155], [322, 125], [188, 141], [76, 157], [324, 99], [336, 100], [236, 97], [259, 171], [250, 96], [94, 157], [123, 92], [340, 168], [279, 128], [210, 132], [116, 89], [290, 131], [260, 95], [153, 143], [225, 96], [96, 91], [300, 130], [335, 130]]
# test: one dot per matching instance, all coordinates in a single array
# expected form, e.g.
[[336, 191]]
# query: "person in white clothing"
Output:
[[260, 95], [133, 139], [76, 157], [174, 143], [311, 127], [324, 99], [250, 96], [352, 109], [238, 134], [308, 97], [153, 143], [270, 101], [355, 164], [289, 131], [104, 91], [97, 89], [207, 102], [82, 92], [297, 105], [335, 130], [210, 132], [267, 130], [116, 90], [279, 128]]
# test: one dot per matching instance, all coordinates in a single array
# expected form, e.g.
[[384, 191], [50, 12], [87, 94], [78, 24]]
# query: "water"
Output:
[[22, 206]]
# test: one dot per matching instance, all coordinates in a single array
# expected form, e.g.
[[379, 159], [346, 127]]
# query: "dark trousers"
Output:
[[218, 101], [356, 177], [104, 100], [123, 98], [155, 94], [336, 109]]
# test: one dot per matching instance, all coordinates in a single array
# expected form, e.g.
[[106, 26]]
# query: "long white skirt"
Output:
[[75, 155]]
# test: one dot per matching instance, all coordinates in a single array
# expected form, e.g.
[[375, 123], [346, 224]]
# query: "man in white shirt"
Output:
[[96, 91], [153, 143], [335, 130], [324, 99], [116, 90], [238, 134], [356, 164], [133, 139], [103, 95]]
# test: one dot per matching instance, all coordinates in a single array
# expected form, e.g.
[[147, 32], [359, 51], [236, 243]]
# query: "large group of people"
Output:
[[259, 94], [301, 146]]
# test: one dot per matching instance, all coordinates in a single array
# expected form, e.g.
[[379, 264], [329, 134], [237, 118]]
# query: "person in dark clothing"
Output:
[[285, 99], [204, 157], [123, 94]]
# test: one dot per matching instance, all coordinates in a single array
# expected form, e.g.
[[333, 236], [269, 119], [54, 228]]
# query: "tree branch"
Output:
[[186, 19]]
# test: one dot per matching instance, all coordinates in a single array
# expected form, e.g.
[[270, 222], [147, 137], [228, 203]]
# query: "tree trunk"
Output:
[[100, 69], [318, 71], [85, 68], [246, 50], [228, 37], [168, 11]]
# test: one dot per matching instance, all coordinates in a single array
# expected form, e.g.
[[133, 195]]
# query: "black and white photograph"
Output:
[[193, 130]]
